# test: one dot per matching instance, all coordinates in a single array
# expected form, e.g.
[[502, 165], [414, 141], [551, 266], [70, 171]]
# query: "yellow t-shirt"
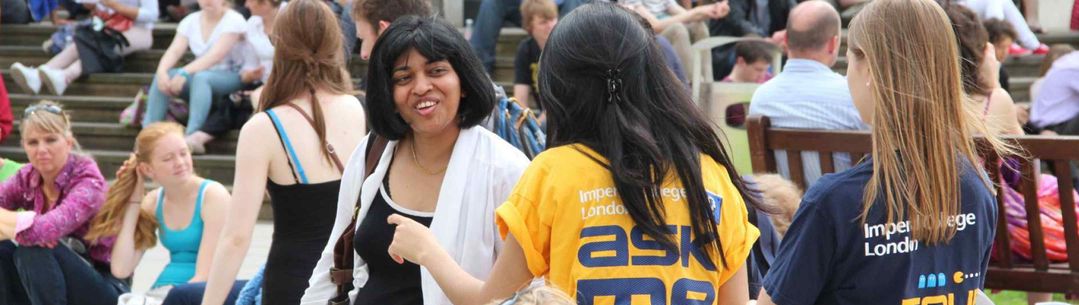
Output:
[[568, 218]]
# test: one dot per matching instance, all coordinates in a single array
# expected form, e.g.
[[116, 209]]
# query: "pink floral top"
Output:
[[82, 192]]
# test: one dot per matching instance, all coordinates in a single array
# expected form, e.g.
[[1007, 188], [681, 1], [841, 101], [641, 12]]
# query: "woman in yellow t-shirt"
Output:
[[634, 204]]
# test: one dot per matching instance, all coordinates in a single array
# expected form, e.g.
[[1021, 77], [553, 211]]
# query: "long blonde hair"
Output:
[[108, 219], [922, 127]]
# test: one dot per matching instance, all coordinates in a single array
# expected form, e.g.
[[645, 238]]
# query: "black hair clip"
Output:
[[614, 85]]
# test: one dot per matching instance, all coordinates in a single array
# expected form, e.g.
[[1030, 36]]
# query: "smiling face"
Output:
[[170, 160], [426, 93], [47, 151]]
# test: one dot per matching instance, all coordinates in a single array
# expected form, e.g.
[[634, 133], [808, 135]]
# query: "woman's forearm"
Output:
[[124, 255], [8, 220], [459, 286]]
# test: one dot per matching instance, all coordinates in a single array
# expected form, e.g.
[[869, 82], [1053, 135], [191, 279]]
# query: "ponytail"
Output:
[[111, 216]]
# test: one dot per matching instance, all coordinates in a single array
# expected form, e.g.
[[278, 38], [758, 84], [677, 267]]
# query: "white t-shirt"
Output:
[[231, 23], [657, 7], [258, 49], [148, 11]]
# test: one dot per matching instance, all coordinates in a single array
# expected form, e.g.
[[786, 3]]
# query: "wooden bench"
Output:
[[1008, 271]]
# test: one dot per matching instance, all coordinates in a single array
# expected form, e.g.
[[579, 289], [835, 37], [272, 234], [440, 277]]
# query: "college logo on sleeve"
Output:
[[717, 204]]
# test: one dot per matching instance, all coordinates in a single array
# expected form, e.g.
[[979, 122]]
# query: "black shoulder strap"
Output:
[[281, 138]]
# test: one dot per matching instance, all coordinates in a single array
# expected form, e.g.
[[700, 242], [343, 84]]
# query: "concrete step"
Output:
[[220, 168], [144, 61], [82, 108], [147, 61], [98, 84], [126, 85], [35, 34], [115, 137]]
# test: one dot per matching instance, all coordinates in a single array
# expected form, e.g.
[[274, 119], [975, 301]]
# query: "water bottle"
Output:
[[468, 29]]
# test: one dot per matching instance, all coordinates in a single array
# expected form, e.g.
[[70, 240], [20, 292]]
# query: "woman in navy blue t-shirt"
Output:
[[914, 223]]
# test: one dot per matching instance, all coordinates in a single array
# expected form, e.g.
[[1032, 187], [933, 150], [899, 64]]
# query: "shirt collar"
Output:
[[36, 179], [805, 65]]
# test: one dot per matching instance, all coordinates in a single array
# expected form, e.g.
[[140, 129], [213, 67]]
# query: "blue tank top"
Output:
[[183, 245]]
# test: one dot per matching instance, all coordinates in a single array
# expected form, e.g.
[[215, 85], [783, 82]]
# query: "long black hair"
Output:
[[646, 128]]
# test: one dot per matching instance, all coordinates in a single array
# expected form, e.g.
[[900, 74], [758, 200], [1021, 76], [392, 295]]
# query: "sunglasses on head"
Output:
[[54, 109]]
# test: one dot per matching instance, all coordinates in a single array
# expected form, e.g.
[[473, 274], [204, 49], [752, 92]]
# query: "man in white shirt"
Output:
[[807, 94]]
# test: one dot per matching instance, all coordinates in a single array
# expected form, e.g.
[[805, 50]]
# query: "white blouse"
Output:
[[482, 172]]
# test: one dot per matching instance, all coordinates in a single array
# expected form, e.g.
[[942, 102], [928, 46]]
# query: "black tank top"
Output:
[[388, 283], [303, 216]]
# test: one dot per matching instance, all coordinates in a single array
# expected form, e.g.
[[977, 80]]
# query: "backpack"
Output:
[[517, 125]]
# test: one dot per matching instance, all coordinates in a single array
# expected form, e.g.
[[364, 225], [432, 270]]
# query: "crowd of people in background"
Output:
[[395, 191]]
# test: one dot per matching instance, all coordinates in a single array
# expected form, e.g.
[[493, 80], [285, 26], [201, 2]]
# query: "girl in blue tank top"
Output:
[[185, 213]]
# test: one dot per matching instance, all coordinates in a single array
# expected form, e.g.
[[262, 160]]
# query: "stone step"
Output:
[[115, 137], [147, 61], [125, 85], [98, 84], [34, 35], [220, 168], [82, 108]]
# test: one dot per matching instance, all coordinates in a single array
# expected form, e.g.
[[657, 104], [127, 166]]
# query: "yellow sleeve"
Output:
[[736, 233], [528, 214]]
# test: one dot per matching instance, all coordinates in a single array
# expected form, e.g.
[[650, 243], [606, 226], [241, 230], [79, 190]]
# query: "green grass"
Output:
[[1009, 297]]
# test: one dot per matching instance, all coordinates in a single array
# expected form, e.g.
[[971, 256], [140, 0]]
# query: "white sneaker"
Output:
[[54, 80], [27, 78]]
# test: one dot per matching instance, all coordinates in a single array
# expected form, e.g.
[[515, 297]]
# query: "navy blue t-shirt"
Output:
[[829, 257]]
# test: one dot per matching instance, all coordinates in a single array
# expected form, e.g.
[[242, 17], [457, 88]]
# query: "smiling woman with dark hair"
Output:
[[427, 93]]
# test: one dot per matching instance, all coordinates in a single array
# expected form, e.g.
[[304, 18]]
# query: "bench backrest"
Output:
[[1007, 271]]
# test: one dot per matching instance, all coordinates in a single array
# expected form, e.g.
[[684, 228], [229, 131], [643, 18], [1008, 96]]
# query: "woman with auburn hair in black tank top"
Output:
[[293, 150]]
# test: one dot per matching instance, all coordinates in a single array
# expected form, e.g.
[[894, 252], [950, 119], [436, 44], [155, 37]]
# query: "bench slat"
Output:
[[1028, 186], [794, 164], [1067, 209], [1003, 239], [764, 161], [827, 163]]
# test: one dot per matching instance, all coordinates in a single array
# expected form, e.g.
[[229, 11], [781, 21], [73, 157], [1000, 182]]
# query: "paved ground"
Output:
[[155, 259]]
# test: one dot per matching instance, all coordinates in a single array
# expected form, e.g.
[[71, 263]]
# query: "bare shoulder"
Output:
[[256, 130], [1002, 96], [149, 202], [217, 191], [350, 107]]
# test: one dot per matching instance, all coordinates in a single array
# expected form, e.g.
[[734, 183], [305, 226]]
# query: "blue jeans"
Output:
[[191, 294], [58, 276], [492, 14], [200, 91]]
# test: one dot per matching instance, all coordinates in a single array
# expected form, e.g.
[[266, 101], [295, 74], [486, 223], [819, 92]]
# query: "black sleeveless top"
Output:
[[388, 283], [303, 216]]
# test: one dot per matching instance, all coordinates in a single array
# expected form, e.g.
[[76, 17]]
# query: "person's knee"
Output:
[[28, 253], [676, 32], [201, 78], [184, 294]]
